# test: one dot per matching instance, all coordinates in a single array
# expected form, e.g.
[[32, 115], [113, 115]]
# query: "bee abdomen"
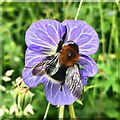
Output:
[[60, 74]]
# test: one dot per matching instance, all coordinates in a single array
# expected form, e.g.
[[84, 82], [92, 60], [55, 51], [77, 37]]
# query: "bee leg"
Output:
[[61, 86]]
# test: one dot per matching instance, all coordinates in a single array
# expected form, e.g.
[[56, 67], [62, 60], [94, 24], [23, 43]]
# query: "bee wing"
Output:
[[39, 69], [74, 81], [49, 65]]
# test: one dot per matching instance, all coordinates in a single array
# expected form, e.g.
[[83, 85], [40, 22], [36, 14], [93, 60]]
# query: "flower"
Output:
[[42, 39]]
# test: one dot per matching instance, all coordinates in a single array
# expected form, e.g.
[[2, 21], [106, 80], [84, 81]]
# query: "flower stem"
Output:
[[46, 112], [61, 111], [72, 112], [78, 9]]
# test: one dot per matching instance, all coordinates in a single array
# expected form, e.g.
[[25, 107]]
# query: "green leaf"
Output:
[[89, 87], [80, 102], [112, 113]]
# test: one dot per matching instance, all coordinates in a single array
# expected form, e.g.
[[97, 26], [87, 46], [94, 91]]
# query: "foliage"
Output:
[[100, 99]]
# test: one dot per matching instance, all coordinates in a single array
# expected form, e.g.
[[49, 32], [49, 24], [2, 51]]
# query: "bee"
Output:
[[63, 67]]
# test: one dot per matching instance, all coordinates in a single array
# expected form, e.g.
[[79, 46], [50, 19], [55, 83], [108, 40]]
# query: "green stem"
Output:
[[61, 112], [117, 2], [102, 29], [112, 33], [46, 112], [78, 9], [72, 112]]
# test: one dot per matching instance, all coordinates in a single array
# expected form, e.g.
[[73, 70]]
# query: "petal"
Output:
[[83, 35], [30, 80], [44, 34], [32, 58], [84, 79], [89, 66], [57, 97]]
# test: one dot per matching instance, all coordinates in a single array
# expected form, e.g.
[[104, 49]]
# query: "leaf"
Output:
[[89, 87], [115, 87], [80, 102], [112, 114]]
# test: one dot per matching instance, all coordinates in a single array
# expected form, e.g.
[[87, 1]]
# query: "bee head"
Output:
[[69, 54]]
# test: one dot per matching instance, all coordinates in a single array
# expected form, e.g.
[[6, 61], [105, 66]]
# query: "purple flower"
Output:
[[43, 38]]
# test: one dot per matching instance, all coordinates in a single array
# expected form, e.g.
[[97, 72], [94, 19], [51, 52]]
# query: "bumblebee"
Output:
[[63, 67]]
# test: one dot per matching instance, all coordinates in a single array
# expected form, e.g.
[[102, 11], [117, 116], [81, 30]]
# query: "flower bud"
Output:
[[22, 96], [23, 100]]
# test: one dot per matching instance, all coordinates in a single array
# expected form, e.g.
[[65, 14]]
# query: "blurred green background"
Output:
[[101, 100]]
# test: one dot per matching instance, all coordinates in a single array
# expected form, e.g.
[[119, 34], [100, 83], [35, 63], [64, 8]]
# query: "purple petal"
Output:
[[32, 58], [89, 65], [83, 35], [57, 97], [44, 34], [30, 80], [84, 79]]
